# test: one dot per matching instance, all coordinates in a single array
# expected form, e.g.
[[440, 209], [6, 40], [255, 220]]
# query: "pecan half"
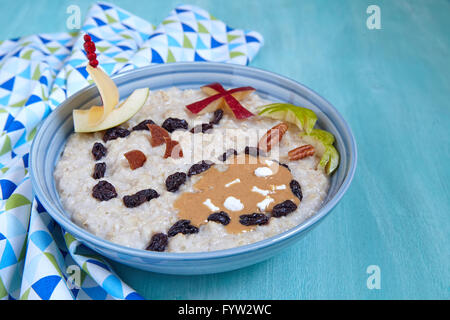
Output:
[[136, 159], [273, 137], [301, 152]]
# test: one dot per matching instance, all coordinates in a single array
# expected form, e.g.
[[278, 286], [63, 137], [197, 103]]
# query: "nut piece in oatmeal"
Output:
[[136, 159]]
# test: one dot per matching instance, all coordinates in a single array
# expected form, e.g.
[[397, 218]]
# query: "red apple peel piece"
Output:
[[218, 96]]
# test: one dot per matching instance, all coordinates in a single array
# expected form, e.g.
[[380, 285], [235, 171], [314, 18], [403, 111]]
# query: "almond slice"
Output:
[[136, 159], [301, 152], [273, 137]]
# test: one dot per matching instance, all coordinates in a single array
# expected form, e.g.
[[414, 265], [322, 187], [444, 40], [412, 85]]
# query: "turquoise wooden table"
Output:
[[393, 87]]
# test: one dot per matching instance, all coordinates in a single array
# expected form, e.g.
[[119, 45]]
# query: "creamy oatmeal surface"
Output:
[[134, 227]]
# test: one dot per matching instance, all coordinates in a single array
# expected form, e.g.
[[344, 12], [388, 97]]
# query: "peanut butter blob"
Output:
[[248, 185]]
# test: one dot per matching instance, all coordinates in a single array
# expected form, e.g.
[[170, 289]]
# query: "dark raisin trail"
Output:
[[254, 151], [200, 167], [143, 125], [98, 151], [172, 124], [282, 164], [104, 191], [158, 242], [175, 181], [283, 209], [139, 198], [220, 217], [227, 154], [285, 165], [202, 128], [296, 189], [182, 226], [99, 170], [114, 133], [217, 116], [253, 219]]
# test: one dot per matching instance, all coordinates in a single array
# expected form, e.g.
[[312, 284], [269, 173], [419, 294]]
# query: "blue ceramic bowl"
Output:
[[51, 137]]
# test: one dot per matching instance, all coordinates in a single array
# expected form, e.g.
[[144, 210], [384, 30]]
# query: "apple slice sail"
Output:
[[117, 116], [108, 92], [221, 98]]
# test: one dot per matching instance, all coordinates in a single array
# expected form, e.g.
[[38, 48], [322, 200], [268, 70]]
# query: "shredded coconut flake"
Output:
[[265, 203], [280, 187], [210, 205], [233, 204], [233, 182], [260, 191], [263, 172]]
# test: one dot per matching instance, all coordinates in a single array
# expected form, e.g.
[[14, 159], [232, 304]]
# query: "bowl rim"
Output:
[[89, 238]]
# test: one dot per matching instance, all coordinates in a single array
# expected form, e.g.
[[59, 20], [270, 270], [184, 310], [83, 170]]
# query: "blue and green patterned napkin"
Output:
[[38, 260]]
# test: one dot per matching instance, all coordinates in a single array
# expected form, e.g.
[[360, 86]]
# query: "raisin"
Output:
[[227, 154], [283, 209], [158, 242], [99, 170], [254, 151], [114, 133], [174, 181], [253, 219], [203, 128], [217, 116], [139, 198], [143, 125], [221, 217], [98, 151], [172, 124], [104, 191], [296, 189], [200, 167], [182, 226]]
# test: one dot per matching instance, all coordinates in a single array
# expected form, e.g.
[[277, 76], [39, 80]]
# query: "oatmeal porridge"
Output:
[[169, 179]]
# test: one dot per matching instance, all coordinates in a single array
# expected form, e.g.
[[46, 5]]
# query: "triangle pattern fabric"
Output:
[[195, 29], [38, 259]]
